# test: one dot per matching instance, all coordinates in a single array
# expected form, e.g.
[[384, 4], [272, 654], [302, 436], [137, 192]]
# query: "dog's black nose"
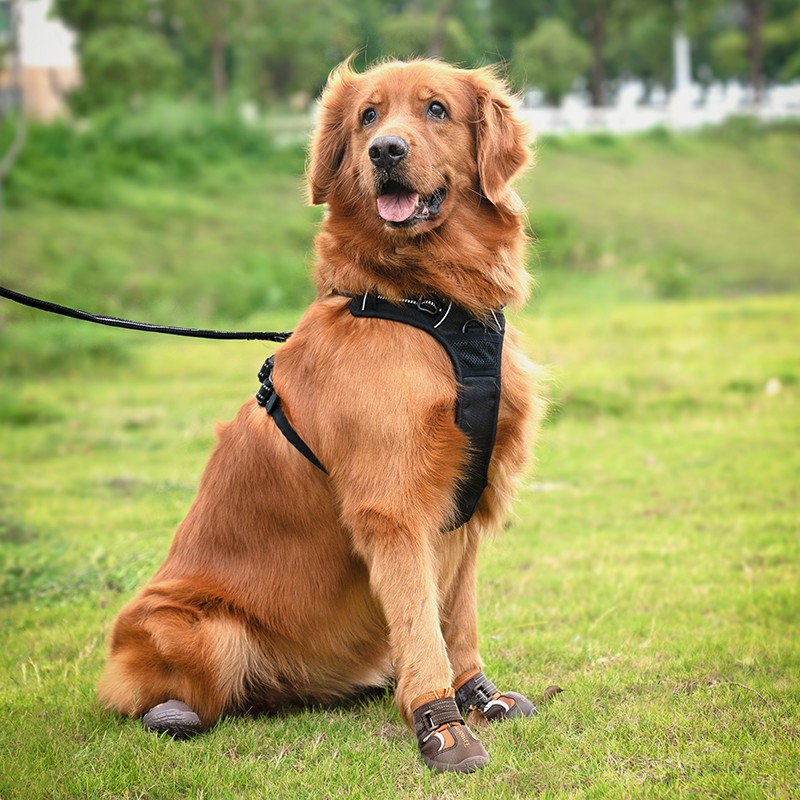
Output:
[[386, 151]]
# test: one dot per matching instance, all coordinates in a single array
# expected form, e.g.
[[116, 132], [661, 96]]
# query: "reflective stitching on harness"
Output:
[[449, 306]]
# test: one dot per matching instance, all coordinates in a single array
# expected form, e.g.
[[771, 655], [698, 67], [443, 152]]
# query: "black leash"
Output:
[[115, 322]]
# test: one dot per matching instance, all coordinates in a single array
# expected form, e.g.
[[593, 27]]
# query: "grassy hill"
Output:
[[672, 215], [217, 228]]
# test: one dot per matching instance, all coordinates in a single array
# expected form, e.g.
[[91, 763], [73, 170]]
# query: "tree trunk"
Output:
[[219, 77], [598, 75], [436, 44], [755, 48]]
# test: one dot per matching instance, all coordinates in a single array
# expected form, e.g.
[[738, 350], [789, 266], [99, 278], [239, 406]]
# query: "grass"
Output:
[[651, 570], [672, 215]]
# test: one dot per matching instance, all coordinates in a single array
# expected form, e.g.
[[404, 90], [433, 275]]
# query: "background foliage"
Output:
[[268, 51]]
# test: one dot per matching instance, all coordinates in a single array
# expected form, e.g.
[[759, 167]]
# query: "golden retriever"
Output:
[[287, 584]]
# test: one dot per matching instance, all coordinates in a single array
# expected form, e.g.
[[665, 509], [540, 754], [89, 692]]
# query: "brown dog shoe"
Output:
[[445, 742], [173, 718], [479, 692]]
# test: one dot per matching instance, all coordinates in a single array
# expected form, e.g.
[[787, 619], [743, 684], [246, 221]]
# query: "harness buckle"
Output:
[[266, 396], [428, 306], [266, 370]]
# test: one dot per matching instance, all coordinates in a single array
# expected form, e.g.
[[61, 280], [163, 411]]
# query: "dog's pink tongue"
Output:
[[397, 207]]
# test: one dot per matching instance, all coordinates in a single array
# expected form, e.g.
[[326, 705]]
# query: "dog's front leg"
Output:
[[401, 571], [401, 576], [459, 611]]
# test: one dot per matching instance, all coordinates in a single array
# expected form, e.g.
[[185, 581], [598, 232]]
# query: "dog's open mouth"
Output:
[[399, 206]]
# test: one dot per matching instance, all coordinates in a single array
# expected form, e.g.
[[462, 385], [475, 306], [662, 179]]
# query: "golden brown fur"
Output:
[[285, 585]]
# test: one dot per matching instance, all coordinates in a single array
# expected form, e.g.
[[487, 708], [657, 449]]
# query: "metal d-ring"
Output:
[[466, 326]]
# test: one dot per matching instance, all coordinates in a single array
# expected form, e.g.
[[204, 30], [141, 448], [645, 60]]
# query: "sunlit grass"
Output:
[[652, 572]]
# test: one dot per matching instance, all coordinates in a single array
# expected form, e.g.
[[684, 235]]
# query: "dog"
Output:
[[336, 551]]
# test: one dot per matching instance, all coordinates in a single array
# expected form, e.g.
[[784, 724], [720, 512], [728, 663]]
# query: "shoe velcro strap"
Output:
[[477, 692], [432, 715]]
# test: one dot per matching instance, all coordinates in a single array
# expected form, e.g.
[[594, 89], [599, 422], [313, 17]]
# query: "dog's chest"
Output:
[[472, 346]]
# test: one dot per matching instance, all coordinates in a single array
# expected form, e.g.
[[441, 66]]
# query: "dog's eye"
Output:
[[437, 110], [369, 116]]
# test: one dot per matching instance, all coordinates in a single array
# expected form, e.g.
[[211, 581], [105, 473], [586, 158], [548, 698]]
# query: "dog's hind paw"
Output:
[[478, 692], [174, 718]]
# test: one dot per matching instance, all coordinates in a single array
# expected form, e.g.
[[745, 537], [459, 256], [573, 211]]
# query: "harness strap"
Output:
[[268, 398], [475, 349]]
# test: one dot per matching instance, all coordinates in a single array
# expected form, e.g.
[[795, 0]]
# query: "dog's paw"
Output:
[[173, 718], [446, 744], [478, 693], [508, 706]]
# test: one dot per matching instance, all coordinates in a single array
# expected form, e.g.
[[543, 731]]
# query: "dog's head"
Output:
[[403, 144]]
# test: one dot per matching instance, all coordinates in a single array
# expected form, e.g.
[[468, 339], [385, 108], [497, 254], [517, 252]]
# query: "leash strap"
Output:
[[116, 322], [475, 349]]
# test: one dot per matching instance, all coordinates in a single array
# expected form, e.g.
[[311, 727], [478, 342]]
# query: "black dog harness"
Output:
[[475, 348]]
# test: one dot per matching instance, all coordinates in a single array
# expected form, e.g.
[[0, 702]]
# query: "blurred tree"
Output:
[[455, 30], [782, 44], [601, 20], [630, 37], [512, 20], [729, 54], [737, 31], [286, 48], [211, 25], [425, 34], [86, 16], [754, 26], [595, 17], [443, 16], [270, 48], [122, 63], [550, 58], [475, 16], [641, 47], [640, 38], [791, 69], [123, 51]]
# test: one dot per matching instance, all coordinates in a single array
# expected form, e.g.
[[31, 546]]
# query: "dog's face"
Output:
[[404, 144]]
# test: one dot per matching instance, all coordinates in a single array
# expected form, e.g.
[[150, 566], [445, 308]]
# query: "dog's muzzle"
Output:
[[401, 207]]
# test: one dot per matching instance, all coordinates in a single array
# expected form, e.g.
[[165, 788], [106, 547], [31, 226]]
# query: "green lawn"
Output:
[[651, 570], [673, 215]]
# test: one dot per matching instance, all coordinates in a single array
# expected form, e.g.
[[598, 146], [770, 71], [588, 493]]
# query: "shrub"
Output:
[[729, 54], [551, 58], [79, 165], [123, 65]]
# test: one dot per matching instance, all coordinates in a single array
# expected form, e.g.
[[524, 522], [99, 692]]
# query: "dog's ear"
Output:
[[329, 141], [502, 141]]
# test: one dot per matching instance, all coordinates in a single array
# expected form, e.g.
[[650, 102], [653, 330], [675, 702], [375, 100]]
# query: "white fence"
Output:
[[691, 109]]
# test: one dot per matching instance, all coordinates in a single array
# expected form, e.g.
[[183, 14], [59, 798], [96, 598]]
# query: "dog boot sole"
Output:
[[174, 718]]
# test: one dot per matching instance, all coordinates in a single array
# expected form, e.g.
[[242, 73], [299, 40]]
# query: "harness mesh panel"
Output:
[[477, 353]]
